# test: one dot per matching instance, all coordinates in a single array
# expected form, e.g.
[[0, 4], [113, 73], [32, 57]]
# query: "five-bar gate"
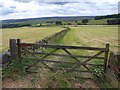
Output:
[[32, 49]]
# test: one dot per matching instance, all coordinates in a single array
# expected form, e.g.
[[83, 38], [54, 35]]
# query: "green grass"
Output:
[[96, 36], [27, 34], [99, 22]]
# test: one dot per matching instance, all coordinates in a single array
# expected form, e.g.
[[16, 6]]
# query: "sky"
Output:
[[19, 9]]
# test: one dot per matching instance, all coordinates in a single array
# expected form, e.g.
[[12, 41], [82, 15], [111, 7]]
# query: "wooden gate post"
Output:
[[106, 57], [19, 50], [13, 49]]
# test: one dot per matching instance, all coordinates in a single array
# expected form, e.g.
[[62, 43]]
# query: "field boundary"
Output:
[[51, 38], [6, 57]]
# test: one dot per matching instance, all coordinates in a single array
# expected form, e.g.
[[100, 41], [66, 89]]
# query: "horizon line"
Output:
[[56, 16]]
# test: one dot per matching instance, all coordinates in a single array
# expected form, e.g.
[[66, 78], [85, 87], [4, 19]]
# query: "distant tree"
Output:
[[26, 25], [58, 23], [78, 23], [99, 17], [85, 21], [64, 24], [108, 22], [113, 22], [14, 25], [49, 22], [107, 16], [69, 23], [41, 24]]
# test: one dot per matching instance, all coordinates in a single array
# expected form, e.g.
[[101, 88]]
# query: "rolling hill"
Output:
[[45, 19]]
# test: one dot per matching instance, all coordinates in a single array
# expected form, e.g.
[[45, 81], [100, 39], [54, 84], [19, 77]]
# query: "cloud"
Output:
[[1, 5], [59, 3], [14, 9], [7, 11], [119, 7], [25, 1]]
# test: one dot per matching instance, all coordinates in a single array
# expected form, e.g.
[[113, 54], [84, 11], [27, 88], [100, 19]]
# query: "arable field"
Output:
[[27, 34]]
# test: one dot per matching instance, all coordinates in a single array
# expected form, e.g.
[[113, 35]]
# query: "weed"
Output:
[[63, 83], [16, 69], [98, 71]]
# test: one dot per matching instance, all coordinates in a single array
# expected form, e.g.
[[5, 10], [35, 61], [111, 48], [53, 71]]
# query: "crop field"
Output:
[[27, 34]]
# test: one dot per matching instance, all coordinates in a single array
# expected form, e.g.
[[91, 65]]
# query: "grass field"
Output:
[[97, 35], [26, 34], [99, 22], [92, 36], [82, 35]]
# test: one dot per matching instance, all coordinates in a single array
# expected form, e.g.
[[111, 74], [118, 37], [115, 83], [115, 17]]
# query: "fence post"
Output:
[[106, 57], [13, 49], [19, 50]]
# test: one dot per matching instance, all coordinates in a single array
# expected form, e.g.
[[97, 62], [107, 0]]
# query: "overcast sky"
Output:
[[18, 9]]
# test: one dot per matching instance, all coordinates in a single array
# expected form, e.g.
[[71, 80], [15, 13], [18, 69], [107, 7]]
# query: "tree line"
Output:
[[113, 22], [14, 25], [107, 16]]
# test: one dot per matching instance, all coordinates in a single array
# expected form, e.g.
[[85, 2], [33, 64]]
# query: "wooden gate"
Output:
[[23, 49]]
